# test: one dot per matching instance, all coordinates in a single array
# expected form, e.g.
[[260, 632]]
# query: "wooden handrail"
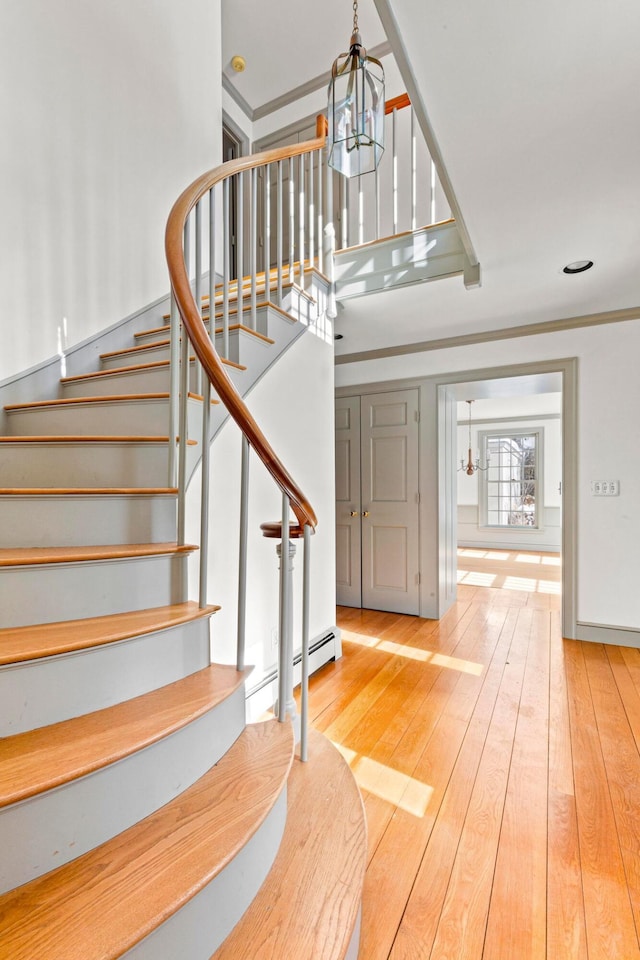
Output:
[[196, 329], [397, 103]]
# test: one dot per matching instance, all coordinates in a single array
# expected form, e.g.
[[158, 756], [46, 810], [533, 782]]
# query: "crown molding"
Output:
[[488, 336], [303, 90]]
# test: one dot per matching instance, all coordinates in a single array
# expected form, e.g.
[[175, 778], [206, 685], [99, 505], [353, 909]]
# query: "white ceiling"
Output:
[[535, 108], [286, 44]]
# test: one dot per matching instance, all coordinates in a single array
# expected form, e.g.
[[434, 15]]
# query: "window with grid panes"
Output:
[[511, 488]]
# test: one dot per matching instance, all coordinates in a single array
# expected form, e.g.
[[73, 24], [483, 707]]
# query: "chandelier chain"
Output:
[[355, 16]]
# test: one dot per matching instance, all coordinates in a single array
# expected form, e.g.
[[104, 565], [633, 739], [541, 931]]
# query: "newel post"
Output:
[[286, 705], [286, 550]]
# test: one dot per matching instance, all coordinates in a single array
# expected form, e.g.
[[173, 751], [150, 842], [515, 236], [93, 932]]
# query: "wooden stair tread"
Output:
[[261, 283], [23, 556], [265, 303], [115, 398], [41, 759], [19, 644], [82, 438], [261, 291], [248, 331], [135, 349], [308, 905], [102, 904], [134, 368], [88, 491], [140, 349], [232, 328]]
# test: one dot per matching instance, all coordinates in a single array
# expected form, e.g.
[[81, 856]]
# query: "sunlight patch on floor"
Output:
[[388, 784], [476, 579], [520, 583], [549, 586], [483, 554], [414, 653], [360, 638], [455, 663]]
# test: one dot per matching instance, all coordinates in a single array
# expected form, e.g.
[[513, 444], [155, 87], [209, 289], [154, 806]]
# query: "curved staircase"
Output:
[[140, 816]]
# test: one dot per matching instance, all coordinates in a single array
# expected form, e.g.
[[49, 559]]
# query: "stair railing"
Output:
[[402, 195], [282, 232]]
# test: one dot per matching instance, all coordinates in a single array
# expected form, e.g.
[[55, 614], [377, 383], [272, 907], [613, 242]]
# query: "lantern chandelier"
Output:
[[356, 109], [470, 467]]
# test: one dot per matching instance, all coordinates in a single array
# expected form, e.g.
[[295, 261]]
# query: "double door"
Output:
[[377, 501]]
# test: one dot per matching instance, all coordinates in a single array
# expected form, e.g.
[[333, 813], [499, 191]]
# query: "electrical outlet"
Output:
[[605, 488]]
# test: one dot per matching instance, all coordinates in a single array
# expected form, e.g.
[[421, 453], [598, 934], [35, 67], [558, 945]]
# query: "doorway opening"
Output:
[[505, 470], [233, 146]]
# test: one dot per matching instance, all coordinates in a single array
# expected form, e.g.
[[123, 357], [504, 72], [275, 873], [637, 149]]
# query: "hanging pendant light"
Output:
[[470, 467], [356, 109]]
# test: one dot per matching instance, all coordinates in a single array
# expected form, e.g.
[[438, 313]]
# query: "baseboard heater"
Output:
[[273, 674]]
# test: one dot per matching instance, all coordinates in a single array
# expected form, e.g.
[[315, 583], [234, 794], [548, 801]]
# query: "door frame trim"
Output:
[[430, 506]]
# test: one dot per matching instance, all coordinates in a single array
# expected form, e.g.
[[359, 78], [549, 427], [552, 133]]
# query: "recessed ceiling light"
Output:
[[578, 266]]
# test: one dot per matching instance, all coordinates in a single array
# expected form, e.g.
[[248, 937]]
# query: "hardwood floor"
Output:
[[500, 770]]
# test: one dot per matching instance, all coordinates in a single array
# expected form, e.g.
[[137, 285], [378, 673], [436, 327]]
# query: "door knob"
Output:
[[365, 513], [354, 513]]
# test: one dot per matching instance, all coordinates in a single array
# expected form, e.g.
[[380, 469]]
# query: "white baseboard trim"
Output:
[[604, 633], [525, 546], [326, 646]]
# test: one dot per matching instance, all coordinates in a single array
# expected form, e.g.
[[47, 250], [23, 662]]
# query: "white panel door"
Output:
[[390, 543], [348, 539]]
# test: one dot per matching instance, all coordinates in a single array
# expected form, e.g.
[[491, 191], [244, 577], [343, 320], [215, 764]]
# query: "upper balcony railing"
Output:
[[403, 194]]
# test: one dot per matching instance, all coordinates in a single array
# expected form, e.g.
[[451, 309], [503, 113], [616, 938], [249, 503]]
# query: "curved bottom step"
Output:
[[182, 876], [309, 905]]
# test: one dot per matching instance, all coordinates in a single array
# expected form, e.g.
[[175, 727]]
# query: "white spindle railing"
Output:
[[192, 234], [289, 212], [403, 194]]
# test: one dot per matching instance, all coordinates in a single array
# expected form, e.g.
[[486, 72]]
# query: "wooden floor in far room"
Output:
[[500, 772]]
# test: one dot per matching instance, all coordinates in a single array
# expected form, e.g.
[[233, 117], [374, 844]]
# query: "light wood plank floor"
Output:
[[500, 770]]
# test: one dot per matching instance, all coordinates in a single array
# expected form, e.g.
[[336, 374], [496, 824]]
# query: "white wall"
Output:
[[107, 110], [608, 529], [293, 404]]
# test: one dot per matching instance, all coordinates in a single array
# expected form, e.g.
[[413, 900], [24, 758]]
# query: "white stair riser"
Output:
[[85, 520], [34, 464], [134, 417], [292, 303], [46, 593], [143, 338], [150, 355], [242, 346], [143, 380], [55, 827], [35, 693], [204, 922], [111, 417]]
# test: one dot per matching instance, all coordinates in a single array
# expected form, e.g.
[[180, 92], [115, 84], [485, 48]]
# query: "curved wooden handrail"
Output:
[[195, 327]]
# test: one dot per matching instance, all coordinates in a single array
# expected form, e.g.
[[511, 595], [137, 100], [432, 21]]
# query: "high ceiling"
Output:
[[535, 110], [287, 44]]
